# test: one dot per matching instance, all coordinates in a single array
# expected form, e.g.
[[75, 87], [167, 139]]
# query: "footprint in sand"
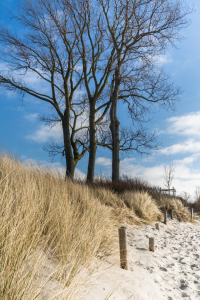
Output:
[[184, 285], [163, 269], [194, 267], [170, 265]]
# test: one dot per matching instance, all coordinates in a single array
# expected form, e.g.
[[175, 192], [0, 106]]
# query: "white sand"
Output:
[[171, 272]]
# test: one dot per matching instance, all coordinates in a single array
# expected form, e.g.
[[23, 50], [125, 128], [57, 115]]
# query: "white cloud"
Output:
[[184, 126], [187, 125], [190, 145], [103, 161], [163, 59], [46, 134], [187, 160], [149, 158], [31, 117], [152, 174], [31, 79]]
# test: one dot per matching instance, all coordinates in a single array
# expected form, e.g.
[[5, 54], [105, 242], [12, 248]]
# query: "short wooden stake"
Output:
[[171, 214], [192, 213], [123, 248], [158, 226], [151, 244], [165, 217]]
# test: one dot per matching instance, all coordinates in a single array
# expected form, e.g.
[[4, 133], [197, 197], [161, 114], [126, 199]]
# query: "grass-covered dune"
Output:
[[73, 222]]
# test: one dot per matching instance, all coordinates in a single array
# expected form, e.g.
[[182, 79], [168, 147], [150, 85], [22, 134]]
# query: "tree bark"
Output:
[[93, 145], [70, 166], [114, 127]]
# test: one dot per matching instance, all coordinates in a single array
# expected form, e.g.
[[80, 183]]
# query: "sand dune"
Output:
[[171, 272]]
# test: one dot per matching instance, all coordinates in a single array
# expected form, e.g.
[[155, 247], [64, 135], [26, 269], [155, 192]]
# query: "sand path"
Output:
[[175, 265], [171, 272]]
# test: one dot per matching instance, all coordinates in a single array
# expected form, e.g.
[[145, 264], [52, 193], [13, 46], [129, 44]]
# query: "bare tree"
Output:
[[97, 61], [186, 196], [99, 57], [47, 48], [139, 31], [197, 194], [168, 175]]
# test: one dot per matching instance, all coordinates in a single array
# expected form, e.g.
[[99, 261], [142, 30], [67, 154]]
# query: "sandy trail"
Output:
[[171, 272], [175, 265]]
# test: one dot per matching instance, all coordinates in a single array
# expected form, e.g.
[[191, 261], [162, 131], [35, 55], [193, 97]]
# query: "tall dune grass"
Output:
[[179, 211], [40, 209], [40, 213], [143, 199], [143, 205], [120, 212]]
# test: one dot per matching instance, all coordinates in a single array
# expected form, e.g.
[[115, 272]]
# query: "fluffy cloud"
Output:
[[190, 145], [30, 78], [187, 125], [46, 134], [31, 117], [103, 161], [163, 59]]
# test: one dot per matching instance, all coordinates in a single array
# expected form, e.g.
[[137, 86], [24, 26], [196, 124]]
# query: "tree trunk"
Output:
[[93, 146], [114, 127], [70, 166]]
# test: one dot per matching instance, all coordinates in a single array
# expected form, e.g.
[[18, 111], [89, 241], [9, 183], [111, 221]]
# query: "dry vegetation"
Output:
[[71, 222]]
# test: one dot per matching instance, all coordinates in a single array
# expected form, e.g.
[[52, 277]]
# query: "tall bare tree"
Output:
[[98, 57], [139, 31], [47, 48]]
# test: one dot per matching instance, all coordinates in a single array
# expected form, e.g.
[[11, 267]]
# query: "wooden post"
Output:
[[171, 213], [123, 248], [165, 217], [192, 213], [151, 244], [158, 226]]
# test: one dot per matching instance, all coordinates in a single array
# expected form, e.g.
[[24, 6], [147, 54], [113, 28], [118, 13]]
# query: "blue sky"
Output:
[[178, 131]]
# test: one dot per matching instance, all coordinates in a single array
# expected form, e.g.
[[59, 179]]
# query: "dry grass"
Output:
[[143, 205], [179, 211], [39, 209], [120, 213], [70, 222]]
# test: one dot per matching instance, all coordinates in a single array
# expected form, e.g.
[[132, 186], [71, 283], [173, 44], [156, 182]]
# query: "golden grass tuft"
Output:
[[143, 205], [179, 211], [120, 213]]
